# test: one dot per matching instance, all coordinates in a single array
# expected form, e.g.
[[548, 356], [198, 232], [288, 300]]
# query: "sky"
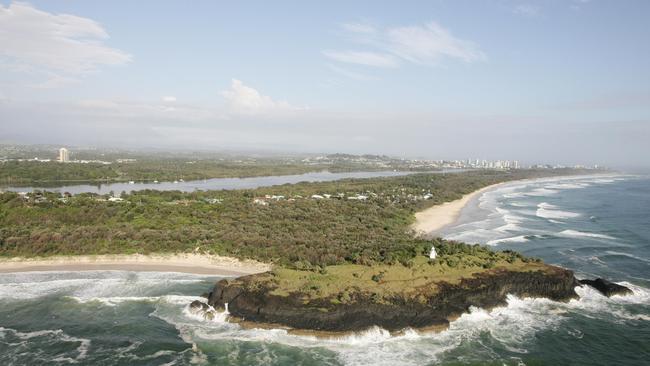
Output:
[[556, 81]]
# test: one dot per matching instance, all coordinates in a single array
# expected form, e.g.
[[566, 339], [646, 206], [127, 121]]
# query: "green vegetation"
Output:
[[152, 167], [420, 276], [24, 172], [295, 231]]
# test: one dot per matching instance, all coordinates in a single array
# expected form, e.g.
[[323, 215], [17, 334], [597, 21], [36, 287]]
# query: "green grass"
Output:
[[420, 277]]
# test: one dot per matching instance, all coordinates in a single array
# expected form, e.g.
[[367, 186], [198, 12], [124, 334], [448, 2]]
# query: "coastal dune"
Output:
[[202, 264], [431, 220]]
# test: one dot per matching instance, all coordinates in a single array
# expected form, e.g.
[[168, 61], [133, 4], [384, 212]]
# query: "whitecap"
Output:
[[540, 192], [581, 234], [56, 335], [513, 239], [548, 211], [611, 252], [562, 186]]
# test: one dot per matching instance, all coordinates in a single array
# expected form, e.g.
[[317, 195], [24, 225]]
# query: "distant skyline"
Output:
[[558, 81]]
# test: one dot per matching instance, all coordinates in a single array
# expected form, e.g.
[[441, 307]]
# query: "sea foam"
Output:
[[581, 234], [548, 211]]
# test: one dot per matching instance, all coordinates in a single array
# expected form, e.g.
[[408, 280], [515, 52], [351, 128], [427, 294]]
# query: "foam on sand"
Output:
[[110, 287]]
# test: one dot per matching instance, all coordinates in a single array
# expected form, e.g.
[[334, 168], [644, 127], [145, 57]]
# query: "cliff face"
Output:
[[251, 302]]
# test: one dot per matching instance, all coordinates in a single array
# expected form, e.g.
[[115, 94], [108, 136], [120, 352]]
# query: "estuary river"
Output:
[[210, 184]]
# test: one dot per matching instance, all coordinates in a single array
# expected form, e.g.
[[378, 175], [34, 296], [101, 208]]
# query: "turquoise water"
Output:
[[598, 226]]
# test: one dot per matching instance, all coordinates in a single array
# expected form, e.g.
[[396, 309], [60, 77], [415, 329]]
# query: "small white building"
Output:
[[260, 201], [432, 254]]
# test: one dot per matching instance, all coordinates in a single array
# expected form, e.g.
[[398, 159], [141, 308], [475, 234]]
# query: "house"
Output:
[[317, 196], [260, 201], [358, 197], [115, 199]]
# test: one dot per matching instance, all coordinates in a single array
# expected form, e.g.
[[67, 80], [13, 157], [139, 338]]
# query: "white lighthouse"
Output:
[[432, 254]]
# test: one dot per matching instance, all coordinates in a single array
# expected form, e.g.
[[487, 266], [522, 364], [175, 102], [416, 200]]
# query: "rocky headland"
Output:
[[256, 298]]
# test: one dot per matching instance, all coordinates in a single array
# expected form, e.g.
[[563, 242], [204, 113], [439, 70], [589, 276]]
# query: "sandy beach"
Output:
[[434, 218], [186, 263]]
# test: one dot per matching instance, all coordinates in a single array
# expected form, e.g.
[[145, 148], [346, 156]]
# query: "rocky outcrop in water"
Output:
[[249, 301], [202, 309], [607, 288]]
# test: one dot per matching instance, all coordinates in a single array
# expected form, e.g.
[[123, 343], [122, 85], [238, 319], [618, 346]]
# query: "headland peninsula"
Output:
[[329, 256]]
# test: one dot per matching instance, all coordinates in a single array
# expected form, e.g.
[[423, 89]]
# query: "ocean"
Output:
[[598, 226]]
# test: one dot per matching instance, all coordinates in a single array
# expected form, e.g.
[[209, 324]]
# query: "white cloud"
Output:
[[420, 44], [243, 99], [351, 74], [526, 10], [54, 81], [430, 43], [169, 99], [363, 58], [359, 28], [58, 46]]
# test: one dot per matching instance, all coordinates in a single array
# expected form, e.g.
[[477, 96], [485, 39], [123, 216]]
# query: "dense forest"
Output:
[[361, 221]]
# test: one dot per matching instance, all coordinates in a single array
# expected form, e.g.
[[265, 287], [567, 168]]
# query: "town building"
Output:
[[64, 155]]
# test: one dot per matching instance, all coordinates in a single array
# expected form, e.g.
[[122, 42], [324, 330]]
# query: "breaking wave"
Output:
[[513, 326], [581, 234], [24, 342], [548, 211]]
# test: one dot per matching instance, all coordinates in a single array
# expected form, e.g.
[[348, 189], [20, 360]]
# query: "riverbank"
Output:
[[184, 263], [431, 220]]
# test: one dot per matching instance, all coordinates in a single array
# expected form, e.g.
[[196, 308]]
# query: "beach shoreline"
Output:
[[200, 264], [433, 219]]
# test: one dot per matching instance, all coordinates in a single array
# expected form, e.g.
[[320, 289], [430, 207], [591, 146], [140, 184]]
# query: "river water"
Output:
[[210, 184], [598, 226]]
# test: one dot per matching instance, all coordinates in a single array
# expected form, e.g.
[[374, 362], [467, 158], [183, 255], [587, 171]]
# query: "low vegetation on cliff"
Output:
[[418, 279]]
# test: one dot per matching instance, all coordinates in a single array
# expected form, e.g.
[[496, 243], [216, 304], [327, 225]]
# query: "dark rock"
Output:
[[607, 288], [200, 308], [197, 305], [251, 302]]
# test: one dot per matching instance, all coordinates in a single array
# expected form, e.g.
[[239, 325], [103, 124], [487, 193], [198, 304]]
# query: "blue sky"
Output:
[[557, 80]]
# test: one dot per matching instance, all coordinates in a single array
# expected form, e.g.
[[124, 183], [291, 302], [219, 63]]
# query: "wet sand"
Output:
[[186, 263]]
